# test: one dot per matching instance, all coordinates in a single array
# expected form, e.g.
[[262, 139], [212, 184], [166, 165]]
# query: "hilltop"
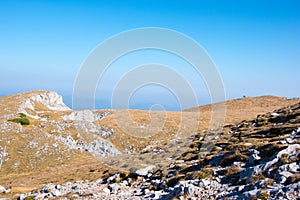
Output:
[[248, 108], [61, 146]]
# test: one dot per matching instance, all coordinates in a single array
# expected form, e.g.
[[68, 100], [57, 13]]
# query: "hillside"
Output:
[[61, 146], [247, 108]]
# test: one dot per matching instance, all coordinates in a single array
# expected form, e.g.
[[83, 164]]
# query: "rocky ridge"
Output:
[[254, 159], [56, 136]]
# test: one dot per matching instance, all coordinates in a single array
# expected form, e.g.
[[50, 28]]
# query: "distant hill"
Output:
[[248, 108]]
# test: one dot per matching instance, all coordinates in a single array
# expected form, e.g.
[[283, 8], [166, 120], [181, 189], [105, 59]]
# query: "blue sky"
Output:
[[254, 44]]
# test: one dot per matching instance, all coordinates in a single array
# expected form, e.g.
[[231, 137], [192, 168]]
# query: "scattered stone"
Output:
[[113, 178], [56, 192], [283, 176], [48, 188], [254, 156], [144, 171], [114, 188], [4, 190], [85, 115], [252, 193], [275, 114], [106, 190], [292, 167]]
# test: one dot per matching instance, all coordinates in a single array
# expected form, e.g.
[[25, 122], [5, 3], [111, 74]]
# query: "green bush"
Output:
[[22, 115], [29, 198], [21, 120]]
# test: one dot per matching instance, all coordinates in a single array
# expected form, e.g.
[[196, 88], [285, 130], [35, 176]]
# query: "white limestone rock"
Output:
[[51, 100], [85, 115], [144, 171]]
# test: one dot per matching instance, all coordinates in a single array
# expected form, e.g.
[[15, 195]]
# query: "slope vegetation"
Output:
[[61, 145]]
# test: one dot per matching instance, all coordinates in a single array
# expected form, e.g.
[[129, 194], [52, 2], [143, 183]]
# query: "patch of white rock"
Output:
[[49, 99]]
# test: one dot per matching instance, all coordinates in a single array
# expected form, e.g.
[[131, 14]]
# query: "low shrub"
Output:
[[257, 177], [22, 115], [263, 196], [204, 173], [232, 170], [285, 158], [269, 182], [29, 198], [21, 119]]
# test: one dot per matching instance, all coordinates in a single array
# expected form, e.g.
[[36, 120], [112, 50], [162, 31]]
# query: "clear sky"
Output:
[[255, 44]]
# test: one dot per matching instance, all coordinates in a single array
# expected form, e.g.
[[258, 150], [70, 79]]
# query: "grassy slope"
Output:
[[76, 165]]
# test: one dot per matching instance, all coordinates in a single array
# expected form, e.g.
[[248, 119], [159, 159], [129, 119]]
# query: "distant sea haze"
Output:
[[106, 104], [155, 103]]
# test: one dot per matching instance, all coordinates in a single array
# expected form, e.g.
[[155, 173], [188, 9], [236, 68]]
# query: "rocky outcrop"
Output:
[[85, 115], [38, 101], [97, 147], [50, 99]]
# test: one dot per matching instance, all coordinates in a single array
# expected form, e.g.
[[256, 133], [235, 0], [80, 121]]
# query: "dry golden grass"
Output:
[[248, 108], [232, 170], [134, 129]]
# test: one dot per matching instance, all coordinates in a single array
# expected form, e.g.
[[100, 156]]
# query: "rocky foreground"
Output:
[[256, 159]]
